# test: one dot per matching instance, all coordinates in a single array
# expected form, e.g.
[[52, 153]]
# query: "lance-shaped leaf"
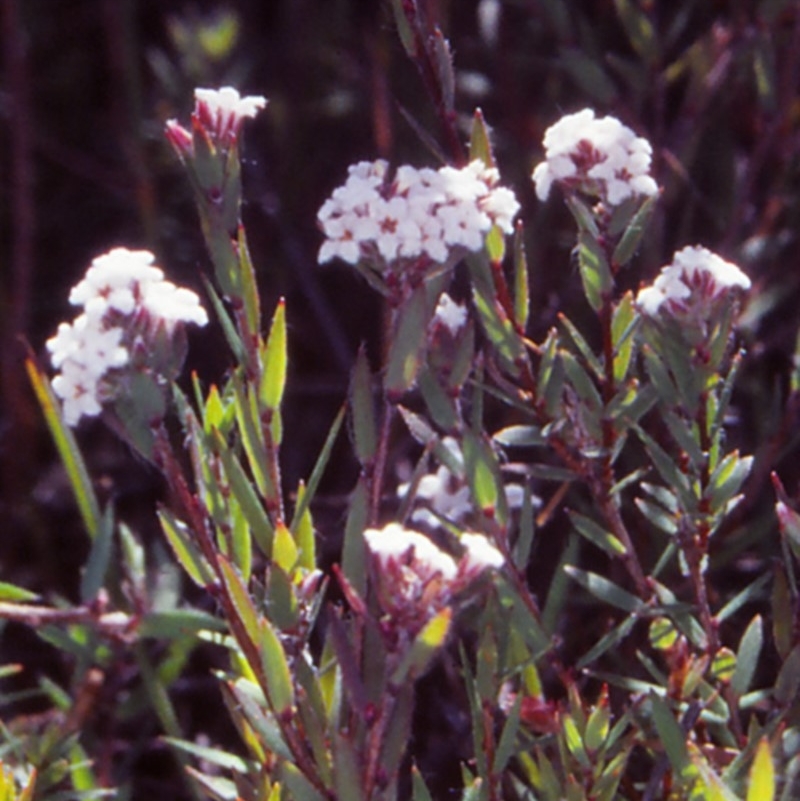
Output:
[[362, 405], [276, 670], [595, 270], [641, 33], [440, 404], [747, 656], [354, 552], [240, 597], [499, 329], [408, 342], [480, 146], [94, 573], [632, 238], [304, 533], [250, 296], [228, 328], [670, 734], [605, 590], [11, 592], [246, 496], [483, 475], [184, 549], [347, 771], [405, 17], [284, 549], [623, 325], [597, 535], [319, 468], [761, 786], [522, 298], [68, 450], [425, 646], [274, 362], [728, 478], [252, 434]]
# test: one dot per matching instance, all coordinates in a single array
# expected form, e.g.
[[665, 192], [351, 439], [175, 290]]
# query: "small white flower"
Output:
[[173, 304], [78, 390], [450, 314]]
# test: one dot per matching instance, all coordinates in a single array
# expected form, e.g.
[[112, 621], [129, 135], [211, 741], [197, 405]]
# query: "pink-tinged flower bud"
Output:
[[180, 139]]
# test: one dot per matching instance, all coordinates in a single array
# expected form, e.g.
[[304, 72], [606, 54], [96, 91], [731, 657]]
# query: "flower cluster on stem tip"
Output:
[[599, 157], [126, 305], [416, 578], [389, 221], [220, 114], [694, 281]]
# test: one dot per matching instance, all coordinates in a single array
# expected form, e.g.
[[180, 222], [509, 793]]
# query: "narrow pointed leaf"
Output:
[[274, 361], [185, 551]]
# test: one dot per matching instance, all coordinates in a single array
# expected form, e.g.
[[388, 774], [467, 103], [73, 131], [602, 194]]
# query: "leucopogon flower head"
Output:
[[219, 113], [126, 303], [599, 157], [416, 578], [692, 284], [416, 214]]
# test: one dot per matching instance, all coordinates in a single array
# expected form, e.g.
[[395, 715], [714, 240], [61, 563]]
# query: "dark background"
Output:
[[88, 85]]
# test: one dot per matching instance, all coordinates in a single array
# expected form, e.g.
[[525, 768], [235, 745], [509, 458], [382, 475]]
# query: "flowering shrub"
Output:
[[622, 420]]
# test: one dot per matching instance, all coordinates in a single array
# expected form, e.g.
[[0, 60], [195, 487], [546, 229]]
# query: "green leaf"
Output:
[[728, 478], [354, 553], [319, 469], [274, 362], [522, 299], [68, 450], [483, 475], [347, 770], [276, 670], [499, 329], [185, 551], [240, 597], [787, 685], [508, 737], [419, 789], [174, 623], [670, 734], [440, 404], [362, 405], [583, 346], [94, 573], [520, 436], [605, 590], [522, 547], [623, 325], [597, 535], [425, 646], [228, 328], [404, 25], [761, 786], [640, 30], [242, 488], [408, 342], [214, 756], [634, 233], [480, 146], [608, 641], [304, 533], [284, 549], [595, 270], [250, 296], [253, 441], [750, 593], [11, 592], [747, 656], [574, 741]]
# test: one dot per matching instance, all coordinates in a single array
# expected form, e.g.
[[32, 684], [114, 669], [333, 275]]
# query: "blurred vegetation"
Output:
[[87, 87]]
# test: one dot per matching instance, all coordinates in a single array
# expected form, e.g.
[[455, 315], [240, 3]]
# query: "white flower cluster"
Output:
[[122, 290], [418, 213], [416, 578], [695, 278], [598, 156], [446, 496]]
